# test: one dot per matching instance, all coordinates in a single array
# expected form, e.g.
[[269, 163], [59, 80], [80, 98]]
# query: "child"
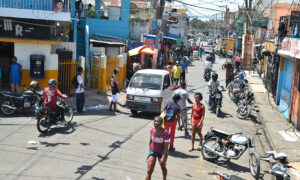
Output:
[[197, 118]]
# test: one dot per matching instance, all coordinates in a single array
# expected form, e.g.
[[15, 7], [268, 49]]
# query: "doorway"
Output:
[[6, 53]]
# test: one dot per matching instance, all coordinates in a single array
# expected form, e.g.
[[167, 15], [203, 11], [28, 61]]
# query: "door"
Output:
[[284, 106], [6, 53], [167, 90]]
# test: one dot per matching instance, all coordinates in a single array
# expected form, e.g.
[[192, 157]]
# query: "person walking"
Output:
[[197, 117], [184, 96], [79, 8], [16, 75], [184, 68], [237, 63], [114, 90], [80, 96], [176, 72], [229, 72], [172, 111], [201, 49], [158, 148]]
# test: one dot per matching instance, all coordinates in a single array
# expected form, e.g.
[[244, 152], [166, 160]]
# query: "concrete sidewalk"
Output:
[[281, 134], [93, 98]]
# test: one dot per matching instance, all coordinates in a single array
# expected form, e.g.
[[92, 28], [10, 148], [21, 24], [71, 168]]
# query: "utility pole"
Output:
[[159, 13]]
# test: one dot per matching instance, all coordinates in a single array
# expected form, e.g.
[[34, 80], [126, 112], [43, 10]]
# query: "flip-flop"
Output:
[[192, 149]]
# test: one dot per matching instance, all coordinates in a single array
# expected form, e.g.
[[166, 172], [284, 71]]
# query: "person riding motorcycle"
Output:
[[213, 56], [50, 101], [230, 53], [213, 86], [208, 63], [223, 52]]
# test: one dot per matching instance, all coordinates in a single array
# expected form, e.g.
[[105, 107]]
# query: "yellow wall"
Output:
[[229, 44], [49, 74]]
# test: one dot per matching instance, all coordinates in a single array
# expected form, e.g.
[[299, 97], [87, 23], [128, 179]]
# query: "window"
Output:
[[167, 80]]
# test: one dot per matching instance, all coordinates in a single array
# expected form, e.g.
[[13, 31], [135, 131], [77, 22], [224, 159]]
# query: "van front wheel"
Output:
[[133, 112]]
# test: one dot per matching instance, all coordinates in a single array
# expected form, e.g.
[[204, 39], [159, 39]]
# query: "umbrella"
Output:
[[141, 50]]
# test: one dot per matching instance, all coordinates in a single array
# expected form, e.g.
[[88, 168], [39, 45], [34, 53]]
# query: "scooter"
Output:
[[207, 74]]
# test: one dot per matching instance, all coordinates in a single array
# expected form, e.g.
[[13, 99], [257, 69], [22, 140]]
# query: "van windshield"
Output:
[[146, 81]]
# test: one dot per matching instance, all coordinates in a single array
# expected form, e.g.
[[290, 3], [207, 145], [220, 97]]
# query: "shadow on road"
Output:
[[225, 115], [232, 166], [178, 154], [69, 129]]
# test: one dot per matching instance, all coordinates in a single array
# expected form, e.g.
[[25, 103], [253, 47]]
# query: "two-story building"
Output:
[[101, 30], [31, 30]]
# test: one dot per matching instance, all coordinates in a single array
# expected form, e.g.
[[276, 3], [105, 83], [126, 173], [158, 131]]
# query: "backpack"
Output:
[[75, 82], [170, 109]]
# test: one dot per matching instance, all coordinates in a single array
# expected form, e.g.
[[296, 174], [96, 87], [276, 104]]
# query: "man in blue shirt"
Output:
[[184, 65], [15, 75]]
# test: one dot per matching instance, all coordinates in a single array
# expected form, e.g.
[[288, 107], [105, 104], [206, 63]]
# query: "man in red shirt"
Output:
[[50, 101], [237, 63]]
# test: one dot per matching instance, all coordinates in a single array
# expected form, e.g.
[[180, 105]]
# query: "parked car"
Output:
[[207, 48], [148, 91]]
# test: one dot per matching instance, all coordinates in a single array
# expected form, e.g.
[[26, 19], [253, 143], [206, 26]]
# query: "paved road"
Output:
[[104, 145]]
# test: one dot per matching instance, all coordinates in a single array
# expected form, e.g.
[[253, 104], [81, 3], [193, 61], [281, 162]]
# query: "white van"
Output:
[[149, 90]]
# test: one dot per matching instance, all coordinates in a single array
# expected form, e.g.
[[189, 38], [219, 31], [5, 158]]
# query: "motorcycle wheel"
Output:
[[243, 112], [218, 110], [5, 110], [69, 113], [207, 154], [254, 164], [42, 125]]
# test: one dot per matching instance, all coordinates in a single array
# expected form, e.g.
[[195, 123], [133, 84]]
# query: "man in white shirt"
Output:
[[184, 96], [80, 97]]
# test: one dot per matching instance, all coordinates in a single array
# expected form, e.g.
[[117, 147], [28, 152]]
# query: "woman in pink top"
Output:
[[159, 141]]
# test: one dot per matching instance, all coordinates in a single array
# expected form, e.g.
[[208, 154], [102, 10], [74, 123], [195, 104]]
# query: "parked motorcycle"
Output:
[[245, 105], [47, 117], [207, 74], [279, 163], [236, 88], [216, 102], [11, 102], [230, 146]]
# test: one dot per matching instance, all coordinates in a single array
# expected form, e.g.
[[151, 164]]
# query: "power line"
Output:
[[199, 6]]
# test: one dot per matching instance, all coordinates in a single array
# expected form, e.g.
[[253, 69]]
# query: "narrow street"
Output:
[[104, 145]]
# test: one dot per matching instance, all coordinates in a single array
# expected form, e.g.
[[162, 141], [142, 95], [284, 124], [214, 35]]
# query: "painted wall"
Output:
[[24, 50], [285, 97], [280, 80], [295, 100]]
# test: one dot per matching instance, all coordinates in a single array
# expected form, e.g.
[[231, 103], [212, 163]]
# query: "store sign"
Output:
[[290, 47], [27, 29], [149, 40]]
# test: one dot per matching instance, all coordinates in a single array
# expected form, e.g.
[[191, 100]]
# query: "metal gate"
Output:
[[110, 65], [66, 72]]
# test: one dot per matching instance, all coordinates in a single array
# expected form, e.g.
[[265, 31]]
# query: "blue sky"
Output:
[[205, 14]]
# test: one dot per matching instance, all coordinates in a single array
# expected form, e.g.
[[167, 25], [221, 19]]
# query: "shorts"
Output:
[[115, 97], [155, 154], [195, 122]]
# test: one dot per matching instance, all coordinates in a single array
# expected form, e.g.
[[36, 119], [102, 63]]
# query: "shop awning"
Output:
[[141, 50]]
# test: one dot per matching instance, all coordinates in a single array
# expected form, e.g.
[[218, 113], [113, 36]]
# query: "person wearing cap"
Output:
[[114, 90], [177, 70]]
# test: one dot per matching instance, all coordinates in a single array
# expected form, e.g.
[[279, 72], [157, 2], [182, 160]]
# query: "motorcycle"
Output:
[[207, 73], [279, 165], [11, 102], [245, 104], [47, 117], [216, 102], [236, 88], [230, 146]]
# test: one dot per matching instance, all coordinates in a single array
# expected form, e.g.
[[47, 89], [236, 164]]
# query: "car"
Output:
[[148, 91], [207, 48]]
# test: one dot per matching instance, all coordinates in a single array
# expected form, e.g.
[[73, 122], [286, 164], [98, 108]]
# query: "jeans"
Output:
[[184, 118], [80, 99], [182, 77], [176, 81]]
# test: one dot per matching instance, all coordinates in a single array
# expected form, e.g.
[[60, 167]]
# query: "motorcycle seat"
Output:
[[220, 133], [11, 94]]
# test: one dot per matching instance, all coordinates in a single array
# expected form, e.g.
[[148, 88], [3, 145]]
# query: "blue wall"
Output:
[[29, 4], [113, 28]]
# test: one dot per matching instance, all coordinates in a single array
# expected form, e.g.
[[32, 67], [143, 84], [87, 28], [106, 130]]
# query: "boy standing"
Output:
[[80, 97]]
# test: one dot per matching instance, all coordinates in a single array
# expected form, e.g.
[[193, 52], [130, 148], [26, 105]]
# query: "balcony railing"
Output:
[[46, 5]]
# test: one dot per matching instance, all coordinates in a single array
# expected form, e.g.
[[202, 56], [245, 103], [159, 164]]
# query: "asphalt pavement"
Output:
[[113, 146]]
